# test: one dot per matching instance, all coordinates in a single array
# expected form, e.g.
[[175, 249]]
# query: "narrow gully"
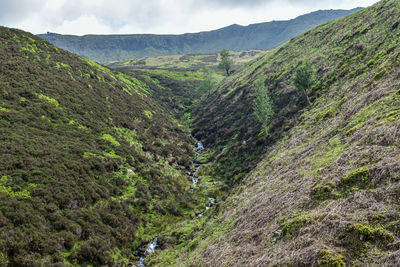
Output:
[[153, 245]]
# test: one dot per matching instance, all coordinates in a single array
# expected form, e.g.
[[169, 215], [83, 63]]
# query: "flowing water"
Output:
[[150, 248], [197, 165]]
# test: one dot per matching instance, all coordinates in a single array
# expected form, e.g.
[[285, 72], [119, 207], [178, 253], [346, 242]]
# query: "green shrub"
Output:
[[354, 181], [366, 232], [323, 191], [330, 258], [294, 224]]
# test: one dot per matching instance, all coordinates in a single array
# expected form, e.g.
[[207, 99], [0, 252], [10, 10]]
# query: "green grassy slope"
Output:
[[191, 62], [104, 48], [175, 90], [174, 80], [323, 186], [90, 165]]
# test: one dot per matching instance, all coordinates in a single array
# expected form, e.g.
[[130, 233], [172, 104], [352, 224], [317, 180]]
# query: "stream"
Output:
[[153, 245]]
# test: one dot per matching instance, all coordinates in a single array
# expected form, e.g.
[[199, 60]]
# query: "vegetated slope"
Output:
[[105, 48], [175, 90], [326, 189], [192, 62], [90, 165], [174, 81]]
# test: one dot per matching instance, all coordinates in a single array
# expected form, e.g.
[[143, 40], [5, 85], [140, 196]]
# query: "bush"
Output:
[[263, 107]]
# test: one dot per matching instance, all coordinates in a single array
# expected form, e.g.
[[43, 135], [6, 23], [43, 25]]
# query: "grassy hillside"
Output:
[[175, 90], [192, 62], [323, 185], [105, 48], [174, 81], [90, 165]]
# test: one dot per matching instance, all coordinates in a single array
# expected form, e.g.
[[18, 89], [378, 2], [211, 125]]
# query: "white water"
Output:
[[149, 250], [192, 175], [200, 147]]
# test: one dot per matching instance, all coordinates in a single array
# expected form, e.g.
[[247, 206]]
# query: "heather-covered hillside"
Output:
[[90, 166]]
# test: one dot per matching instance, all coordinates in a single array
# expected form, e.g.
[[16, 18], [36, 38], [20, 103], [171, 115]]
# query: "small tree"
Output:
[[263, 106], [187, 120], [226, 61], [304, 79], [209, 82]]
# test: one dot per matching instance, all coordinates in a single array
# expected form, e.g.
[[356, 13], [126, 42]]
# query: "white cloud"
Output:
[[153, 16]]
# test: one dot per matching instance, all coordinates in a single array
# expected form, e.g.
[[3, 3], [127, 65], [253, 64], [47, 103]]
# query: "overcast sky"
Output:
[[153, 16]]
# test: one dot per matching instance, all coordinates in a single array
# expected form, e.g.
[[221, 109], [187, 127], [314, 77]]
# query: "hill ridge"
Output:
[[105, 48]]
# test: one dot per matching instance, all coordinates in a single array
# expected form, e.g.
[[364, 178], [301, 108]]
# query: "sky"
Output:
[[81, 17]]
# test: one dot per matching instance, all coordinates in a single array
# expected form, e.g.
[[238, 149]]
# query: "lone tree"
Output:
[[209, 82], [304, 79], [263, 106], [226, 61]]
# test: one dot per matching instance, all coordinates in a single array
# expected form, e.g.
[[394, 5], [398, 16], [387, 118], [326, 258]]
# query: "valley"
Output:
[[163, 161]]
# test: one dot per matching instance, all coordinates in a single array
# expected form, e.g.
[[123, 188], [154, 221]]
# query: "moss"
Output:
[[351, 182], [354, 181], [148, 114], [109, 138], [331, 110], [112, 154], [386, 109], [32, 48], [326, 154], [49, 99], [130, 136], [323, 191], [61, 64], [5, 188], [330, 258], [292, 226], [366, 232], [134, 84], [4, 109]]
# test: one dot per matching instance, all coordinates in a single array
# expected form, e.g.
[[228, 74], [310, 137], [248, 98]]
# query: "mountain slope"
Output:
[[90, 165], [104, 48], [323, 186]]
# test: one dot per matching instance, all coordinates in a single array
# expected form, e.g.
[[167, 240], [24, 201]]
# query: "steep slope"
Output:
[[323, 187], [175, 90], [104, 48], [90, 165]]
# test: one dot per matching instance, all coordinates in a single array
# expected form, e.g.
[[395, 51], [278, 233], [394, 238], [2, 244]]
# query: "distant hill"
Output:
[[105, 48]]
